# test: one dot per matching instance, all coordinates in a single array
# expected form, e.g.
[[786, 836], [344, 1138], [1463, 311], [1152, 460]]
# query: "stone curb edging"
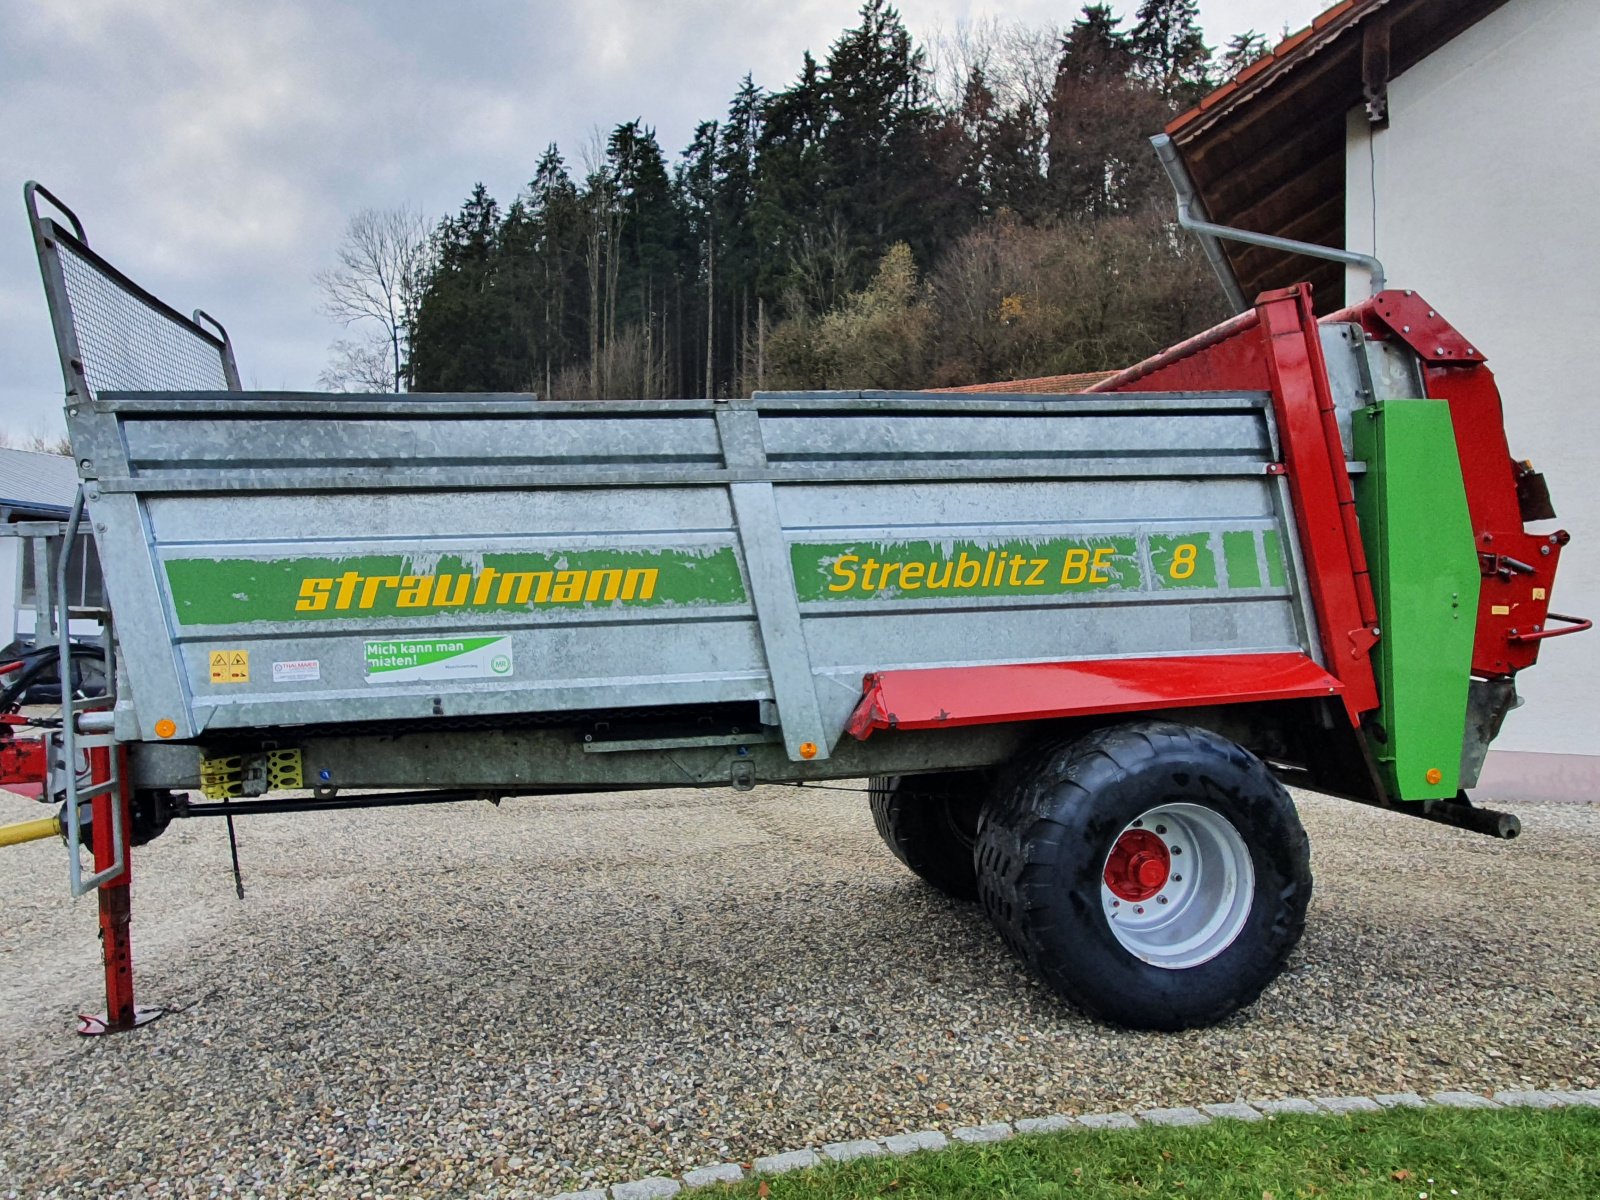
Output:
[[657, 1186]]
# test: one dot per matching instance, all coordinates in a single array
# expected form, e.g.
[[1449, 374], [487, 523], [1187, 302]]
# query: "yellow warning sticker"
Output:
[[230, 666], [1538, 593], [1500, 610]]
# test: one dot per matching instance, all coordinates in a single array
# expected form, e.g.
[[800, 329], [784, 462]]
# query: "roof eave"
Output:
[[1261, 75]]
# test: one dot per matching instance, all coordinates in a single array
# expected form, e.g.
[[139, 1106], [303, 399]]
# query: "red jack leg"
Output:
[[115, 903]]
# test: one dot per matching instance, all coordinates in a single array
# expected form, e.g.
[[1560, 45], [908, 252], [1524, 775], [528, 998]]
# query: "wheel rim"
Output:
[[1177, 886]]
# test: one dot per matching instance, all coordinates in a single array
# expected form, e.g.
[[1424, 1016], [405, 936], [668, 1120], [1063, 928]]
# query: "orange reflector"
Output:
[[1435, 775], [808, 749], [166, 727]]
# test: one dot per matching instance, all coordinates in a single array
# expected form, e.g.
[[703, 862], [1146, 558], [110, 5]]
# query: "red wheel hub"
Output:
[[1138, 866]]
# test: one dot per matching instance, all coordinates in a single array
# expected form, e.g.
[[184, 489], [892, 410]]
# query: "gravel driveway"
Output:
[[467, 1000]]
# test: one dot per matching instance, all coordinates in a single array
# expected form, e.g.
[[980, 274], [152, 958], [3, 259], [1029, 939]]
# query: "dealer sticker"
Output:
[[407, 660], [300, 670]]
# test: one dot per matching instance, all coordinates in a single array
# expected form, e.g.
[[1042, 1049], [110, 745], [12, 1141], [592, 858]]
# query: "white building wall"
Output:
[[1483, 195]]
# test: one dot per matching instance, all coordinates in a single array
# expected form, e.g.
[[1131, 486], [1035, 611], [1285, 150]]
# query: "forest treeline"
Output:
[[900, 215]]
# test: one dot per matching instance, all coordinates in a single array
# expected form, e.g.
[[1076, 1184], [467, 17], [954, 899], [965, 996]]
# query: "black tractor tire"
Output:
[[930, 823], [1046, 875]]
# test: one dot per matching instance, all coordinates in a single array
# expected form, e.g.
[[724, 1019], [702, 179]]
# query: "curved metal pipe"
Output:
[[1210, 233]]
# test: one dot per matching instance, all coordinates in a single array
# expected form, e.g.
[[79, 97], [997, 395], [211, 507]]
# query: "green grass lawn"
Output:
[[1490, 1155]]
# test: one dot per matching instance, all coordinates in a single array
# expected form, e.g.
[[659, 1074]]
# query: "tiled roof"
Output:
[[1295, 44], [1046, 385], [1266, 151]]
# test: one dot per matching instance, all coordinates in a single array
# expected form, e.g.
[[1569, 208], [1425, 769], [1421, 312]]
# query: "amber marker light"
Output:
[[166, 727], [1434, 775], [808, 750]]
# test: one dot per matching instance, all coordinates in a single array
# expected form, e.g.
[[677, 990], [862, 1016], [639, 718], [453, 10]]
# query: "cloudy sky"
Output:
[[215, 150]]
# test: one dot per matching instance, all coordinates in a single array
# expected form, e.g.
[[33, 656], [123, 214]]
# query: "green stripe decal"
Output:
[[234, 591], [1239, 551], [1183, 560], [912, 570], [1277, 573], [915, 570], [239, 591]]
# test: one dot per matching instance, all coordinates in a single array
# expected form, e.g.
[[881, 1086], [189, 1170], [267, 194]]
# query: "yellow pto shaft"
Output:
[[30, 831]]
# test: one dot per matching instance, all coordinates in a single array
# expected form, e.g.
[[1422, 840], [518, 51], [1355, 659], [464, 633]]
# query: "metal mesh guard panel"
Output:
[[130, 346]]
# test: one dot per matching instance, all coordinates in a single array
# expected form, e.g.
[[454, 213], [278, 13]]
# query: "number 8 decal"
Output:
[[1183, 559]]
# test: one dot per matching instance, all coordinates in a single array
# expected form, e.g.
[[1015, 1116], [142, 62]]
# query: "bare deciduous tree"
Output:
[[383, 263], [1018, 61], [878, 337], [1014, 301], [823, 261], [40, 441], [364, 365]]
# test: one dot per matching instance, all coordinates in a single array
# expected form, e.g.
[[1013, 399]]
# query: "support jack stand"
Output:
[[90, 1025], [121, 1015]]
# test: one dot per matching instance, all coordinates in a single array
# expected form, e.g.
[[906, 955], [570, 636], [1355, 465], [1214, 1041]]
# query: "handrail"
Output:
[[230, 369], [82, 883], [32, 189], [1574, 625]]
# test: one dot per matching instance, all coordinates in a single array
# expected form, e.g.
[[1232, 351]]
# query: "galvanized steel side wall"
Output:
[[212, 509]]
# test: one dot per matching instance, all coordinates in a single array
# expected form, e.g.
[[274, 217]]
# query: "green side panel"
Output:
[[1418, 538]]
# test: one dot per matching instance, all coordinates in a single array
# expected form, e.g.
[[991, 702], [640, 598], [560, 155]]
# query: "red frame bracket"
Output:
[[1409, 318]]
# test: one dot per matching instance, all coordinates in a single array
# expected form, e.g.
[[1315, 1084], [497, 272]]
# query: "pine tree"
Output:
[[1099, 115], [697, 185], [876, 143], [790, 183], [517, 278], [646, 256], [995, 163], [1095, 49], [461, 334], [1016, 164], [1171, 49], [556, 211], [602, 228], [736, 168], [1242, 50]]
